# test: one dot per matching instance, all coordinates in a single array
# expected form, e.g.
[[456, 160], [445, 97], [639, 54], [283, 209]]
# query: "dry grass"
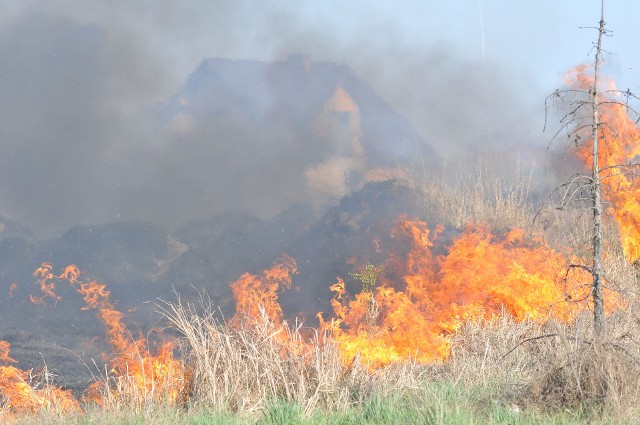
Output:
[[485, 190], [246, 365], [551, 366], [500, 365], [126, 392], [542, 367]]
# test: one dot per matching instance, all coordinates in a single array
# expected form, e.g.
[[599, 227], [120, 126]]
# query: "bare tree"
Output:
[[583, 118]]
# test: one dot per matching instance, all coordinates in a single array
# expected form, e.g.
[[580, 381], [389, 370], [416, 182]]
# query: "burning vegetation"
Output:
[[481, 276], [417, 308], [411, 308], [618, 159]]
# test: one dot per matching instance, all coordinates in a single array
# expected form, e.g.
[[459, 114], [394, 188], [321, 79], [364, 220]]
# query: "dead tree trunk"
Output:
[[598, 304]]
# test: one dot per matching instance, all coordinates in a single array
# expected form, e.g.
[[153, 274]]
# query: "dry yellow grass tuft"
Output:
[[551, 366], [248, 364]]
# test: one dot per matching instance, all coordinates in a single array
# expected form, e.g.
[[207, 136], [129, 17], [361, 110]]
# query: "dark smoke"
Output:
[[80, 139], [64, 124]]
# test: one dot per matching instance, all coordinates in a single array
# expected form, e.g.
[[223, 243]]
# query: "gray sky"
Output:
[[73, 72]]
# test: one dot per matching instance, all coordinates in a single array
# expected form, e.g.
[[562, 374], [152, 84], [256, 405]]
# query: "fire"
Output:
[[137, 369], [619, 150], [407, 307], [252, 292], [421, 299], [20, 394], [4, 352], [152, 375], [45, 276], [482, 275]]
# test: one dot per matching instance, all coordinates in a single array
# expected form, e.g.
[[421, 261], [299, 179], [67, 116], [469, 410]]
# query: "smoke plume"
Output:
[[82, 141]]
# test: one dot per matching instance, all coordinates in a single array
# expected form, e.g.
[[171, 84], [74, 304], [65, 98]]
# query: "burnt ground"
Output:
[[142, 264]]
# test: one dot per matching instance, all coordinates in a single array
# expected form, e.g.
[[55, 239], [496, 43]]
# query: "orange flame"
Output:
[[619, 148], [134, 360], [252, 292], [44, 273], [18, 396], [481, 275], [4, 352]]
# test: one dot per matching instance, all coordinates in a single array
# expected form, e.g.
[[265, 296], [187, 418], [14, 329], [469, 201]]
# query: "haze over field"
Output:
[[79, 143]]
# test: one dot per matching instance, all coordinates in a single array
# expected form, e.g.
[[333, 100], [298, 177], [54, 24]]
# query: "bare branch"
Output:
[[577, 183], [553, 96], [615, 102], [533, 338], [579, 266], [630, 166]]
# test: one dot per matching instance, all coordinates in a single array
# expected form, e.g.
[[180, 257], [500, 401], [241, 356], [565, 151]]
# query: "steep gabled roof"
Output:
[[294, 91]]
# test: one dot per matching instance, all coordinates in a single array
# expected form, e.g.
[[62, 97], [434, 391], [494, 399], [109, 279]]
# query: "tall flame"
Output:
[[482, 274], [619, 149], [253, 292], [134, 360]]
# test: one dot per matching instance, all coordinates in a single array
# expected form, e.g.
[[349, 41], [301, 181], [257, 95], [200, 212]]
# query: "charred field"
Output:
[[462, 323]]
